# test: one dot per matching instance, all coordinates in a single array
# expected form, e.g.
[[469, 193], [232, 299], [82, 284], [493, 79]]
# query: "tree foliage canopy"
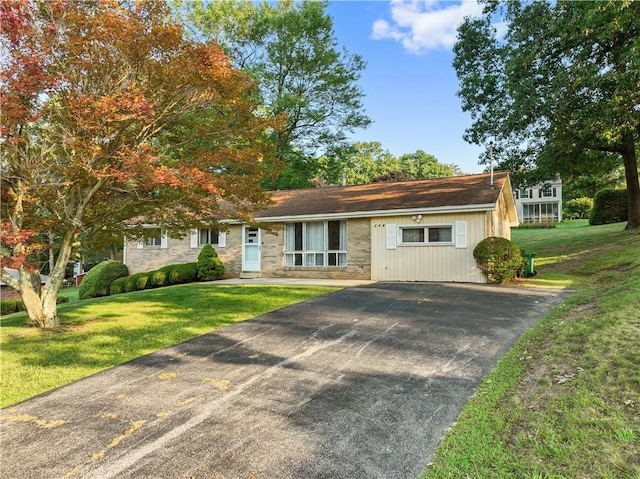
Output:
[[560, 91], [111, 115], [369, 161], [291, 49]]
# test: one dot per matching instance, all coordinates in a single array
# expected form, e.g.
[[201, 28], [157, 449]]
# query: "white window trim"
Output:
[[194, 239], [164, 240], [426, 236]]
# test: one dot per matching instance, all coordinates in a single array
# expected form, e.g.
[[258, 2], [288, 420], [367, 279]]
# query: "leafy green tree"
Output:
[[560, 91], [291, 49], [421, 165], [369, 161], [586, 186]]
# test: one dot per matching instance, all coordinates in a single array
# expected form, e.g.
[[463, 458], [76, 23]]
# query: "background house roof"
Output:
[[456, 191]]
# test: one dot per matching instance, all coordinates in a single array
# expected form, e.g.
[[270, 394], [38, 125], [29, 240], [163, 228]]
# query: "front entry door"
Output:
[[250, 248]]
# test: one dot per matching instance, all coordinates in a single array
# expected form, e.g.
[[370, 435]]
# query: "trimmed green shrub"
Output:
[[184, 273], [19, 305], [97, 281], [143, 281], [578, 208], [499, 259], [117, 285], [210, 267], [537, 226], [158, 278], [609, 206], [131, 283], [62, 299], [8, 306]]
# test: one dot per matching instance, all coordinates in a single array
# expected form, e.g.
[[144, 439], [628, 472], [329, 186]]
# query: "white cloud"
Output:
[[424, 25]]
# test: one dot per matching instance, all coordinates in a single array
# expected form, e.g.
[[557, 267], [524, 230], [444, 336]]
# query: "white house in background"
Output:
[[540, 203]]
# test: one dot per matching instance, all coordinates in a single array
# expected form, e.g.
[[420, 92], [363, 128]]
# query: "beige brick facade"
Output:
[[180, 251], [272, 254]]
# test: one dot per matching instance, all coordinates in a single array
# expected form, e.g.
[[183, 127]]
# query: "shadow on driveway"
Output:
[[361, 383]]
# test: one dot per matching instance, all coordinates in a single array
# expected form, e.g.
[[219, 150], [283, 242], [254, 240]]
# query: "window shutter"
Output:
[[140, 245], [163, 241], [540, 193], [222, 239], [392, 236], [461, 234], [554, 192], [194, 239]]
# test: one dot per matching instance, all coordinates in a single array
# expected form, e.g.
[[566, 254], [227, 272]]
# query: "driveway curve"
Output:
[[361, 383]]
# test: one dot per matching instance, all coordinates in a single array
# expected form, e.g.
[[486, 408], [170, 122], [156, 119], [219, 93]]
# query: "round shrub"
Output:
[[117, 285], [62, 299], [97, 281], [184, 273], [609, 206], [210, 267], [499, 259], [578, 208]]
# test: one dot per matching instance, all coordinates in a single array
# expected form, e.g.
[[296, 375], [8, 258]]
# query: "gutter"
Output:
[[371, 214]]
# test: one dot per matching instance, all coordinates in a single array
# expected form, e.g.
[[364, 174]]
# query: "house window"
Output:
[[525, 193], [207, 236], [316, 243], [153, 237], [547, 192], [412, 235]]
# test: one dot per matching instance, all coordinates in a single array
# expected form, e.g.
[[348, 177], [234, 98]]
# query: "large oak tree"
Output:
[[560, 91], [111, 117]]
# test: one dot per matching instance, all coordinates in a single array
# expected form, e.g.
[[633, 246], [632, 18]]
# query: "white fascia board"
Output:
[[371, 214]]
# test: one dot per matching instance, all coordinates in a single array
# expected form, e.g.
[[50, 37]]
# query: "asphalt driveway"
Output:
[[361, 383]]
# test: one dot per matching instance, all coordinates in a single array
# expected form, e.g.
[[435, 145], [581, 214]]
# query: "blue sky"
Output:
[[409, 83]]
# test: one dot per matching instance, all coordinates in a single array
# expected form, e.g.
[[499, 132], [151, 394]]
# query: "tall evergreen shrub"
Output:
[[210, 266]]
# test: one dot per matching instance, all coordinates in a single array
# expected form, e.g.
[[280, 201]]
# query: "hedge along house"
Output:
[[422, 230]]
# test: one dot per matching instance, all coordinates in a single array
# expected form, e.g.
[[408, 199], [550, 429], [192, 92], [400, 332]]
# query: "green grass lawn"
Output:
[[565, 401], [103, 332]]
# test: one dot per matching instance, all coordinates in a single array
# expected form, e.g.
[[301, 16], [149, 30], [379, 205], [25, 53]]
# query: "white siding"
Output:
[[427, 263]]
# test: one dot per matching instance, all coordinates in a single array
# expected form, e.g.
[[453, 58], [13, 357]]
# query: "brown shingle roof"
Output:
[[455, 191]]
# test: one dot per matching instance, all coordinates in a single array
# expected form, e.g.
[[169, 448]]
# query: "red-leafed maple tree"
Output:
[[109, 113]]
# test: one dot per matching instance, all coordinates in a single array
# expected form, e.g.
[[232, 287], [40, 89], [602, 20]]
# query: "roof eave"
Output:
[[371, 214]]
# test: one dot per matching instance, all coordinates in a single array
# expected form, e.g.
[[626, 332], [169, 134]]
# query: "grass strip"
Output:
[[565, 401]]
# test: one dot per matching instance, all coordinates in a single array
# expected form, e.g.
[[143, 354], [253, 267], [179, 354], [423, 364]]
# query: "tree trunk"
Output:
[[633, 185], [39, 302]]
